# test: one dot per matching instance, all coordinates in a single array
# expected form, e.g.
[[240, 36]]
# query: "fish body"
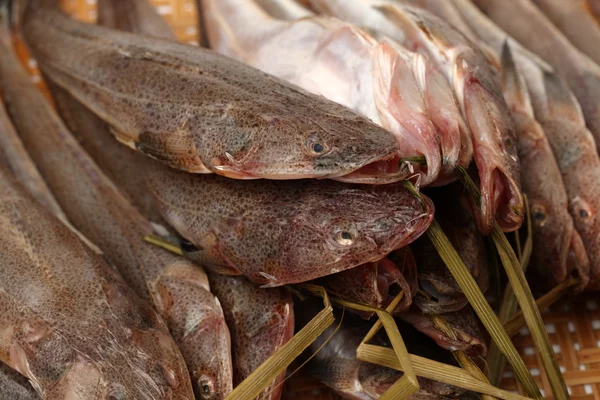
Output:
[[438, 290], [562, 121], [261, 321], [284, 9], [377, 283], [201, 112], [15, 386], [581, 72], [277, 233], [177, 288], [69, 322], [575, 23], [136, 16], [342, 63], [335, 363], [476, 88]]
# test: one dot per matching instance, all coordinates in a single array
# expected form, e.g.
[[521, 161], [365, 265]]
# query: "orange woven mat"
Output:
[[573, 325]]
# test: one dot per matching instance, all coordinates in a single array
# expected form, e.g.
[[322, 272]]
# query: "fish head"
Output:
[[343, 226], [278, 143]]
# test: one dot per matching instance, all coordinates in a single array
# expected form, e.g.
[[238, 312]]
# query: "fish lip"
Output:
[[390, 161]]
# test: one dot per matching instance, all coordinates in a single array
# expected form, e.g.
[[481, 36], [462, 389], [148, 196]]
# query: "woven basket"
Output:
[[573, 324]]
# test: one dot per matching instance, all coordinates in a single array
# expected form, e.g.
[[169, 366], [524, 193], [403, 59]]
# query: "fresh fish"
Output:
[[261, 321], [284, 9], [14, 156], [137, 16], [377, 283], [581, 73], [476, 87], [201, 112], [561, 118], [176, 287], [463, 322], [575, 23], [342, 63], [69, 322], [438, 290], [335, 364], [14, 386], [277, 233], [593, 7], [558, 250]]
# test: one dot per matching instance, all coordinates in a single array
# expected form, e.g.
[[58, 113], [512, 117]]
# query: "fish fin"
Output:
[[514, 87], [560, 99]]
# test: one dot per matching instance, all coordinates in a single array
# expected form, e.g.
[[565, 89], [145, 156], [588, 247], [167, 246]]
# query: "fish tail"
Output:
[[514, 87]]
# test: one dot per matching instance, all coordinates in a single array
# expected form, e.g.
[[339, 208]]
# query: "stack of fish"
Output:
[[278, 156]]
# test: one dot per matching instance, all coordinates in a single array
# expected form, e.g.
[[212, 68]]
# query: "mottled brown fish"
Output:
[[68, 321], [559, 114], [476, 87], [261, 321], [277, 233], [201, 112], [377, 283], [14, 386], [176, 287], [581, 72], [136, 16]]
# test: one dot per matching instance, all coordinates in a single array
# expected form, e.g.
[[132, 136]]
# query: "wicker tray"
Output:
[[573, 324]]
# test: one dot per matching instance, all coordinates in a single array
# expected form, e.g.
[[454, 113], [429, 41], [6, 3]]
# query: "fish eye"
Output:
[[344, 238], [116, 394], [206, 386], [316, 147], [539, 214], [582, 210]]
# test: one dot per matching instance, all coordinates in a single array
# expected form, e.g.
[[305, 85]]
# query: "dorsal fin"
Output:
[[514, 87]]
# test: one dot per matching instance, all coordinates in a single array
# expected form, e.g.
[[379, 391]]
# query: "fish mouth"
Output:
[[390, 282], [501, 201], [380, 171], [578, 262], [431, 298]]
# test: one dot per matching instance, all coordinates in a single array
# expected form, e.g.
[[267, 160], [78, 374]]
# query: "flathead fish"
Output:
[[581, 72], [377, 283], [342, 63], [558, 250], [277, 233], [476, 87], [15, 386], [335, 364], [463, 323], [438, 290], [69, 322], [561, 118], [575, 23], [202, 112], [261, 321], [177, 288]]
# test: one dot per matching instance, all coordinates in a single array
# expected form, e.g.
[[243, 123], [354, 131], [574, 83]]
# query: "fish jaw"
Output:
[[197, 323], [501, 197]]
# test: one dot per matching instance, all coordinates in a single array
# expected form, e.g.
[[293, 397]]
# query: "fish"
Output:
[[561, 118], [463, 322], [580, 72], [201, 112], [15, 386], [175, 286], [283, 9], [368, 77], [593, 7], [14, 156], [558, 250], [438, 291], [575, 23], [476, 87], [335, 363], [261, 321], [69, 322], [278, 233], [377, 283]]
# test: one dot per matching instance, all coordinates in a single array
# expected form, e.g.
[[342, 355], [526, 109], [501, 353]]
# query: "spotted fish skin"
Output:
[[69, 322], [201, 112]]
